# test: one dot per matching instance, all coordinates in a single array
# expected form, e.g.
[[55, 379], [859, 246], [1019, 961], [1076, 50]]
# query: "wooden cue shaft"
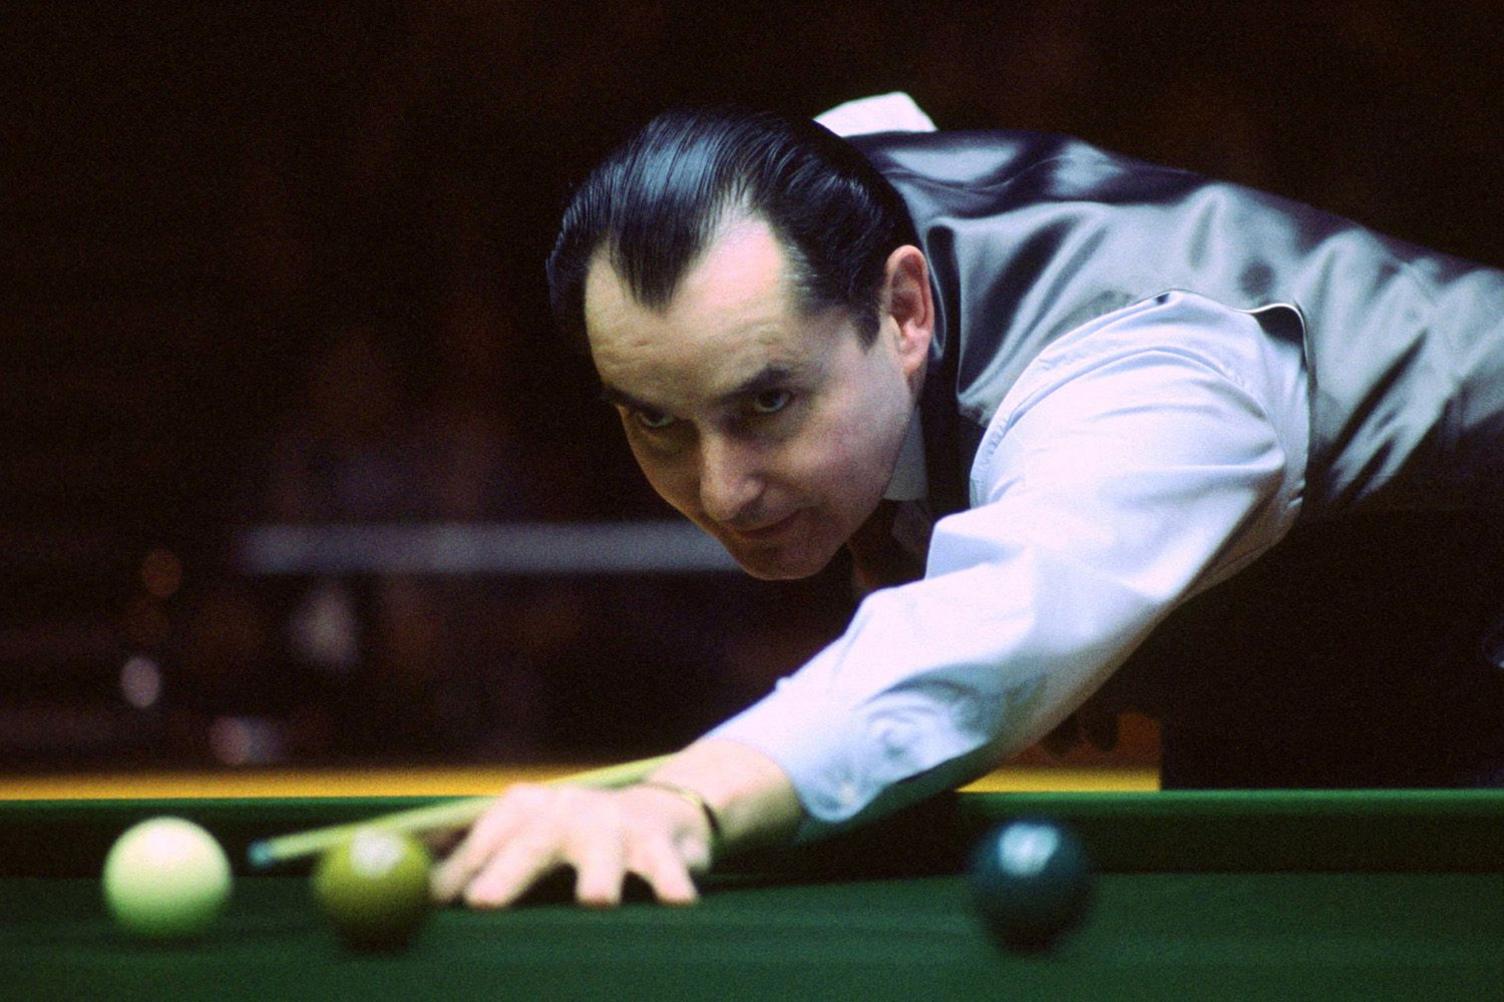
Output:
[[435, 817]]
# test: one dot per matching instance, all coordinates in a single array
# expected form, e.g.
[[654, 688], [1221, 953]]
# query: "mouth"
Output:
[[770, 530]]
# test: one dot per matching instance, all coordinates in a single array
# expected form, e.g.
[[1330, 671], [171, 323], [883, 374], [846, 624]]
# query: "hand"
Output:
[[532, 831]]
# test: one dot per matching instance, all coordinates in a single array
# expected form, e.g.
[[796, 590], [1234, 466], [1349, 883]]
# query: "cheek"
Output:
[[838, 456], [858, 443], [671, 480]]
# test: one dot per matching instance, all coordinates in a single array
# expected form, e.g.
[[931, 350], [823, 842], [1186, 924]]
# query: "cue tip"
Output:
[[260, 855]]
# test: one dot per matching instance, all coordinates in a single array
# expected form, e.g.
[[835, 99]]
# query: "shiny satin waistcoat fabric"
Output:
[[1029, 236]]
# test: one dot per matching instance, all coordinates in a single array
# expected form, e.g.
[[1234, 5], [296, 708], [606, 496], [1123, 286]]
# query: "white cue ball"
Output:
[[166, 878]]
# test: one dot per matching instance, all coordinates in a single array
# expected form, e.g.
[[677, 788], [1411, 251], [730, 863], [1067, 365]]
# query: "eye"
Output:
[[652, 420], [771, 401]]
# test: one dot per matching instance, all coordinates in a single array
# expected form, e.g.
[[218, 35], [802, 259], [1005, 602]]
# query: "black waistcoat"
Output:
[[1031, 235]]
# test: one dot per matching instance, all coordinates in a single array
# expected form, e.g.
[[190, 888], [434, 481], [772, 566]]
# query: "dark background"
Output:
[[268, 263]]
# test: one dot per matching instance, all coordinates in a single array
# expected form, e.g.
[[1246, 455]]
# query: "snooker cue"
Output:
[[268, 852]]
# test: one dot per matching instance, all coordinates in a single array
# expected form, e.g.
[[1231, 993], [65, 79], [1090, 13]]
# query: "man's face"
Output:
[[773, 431]]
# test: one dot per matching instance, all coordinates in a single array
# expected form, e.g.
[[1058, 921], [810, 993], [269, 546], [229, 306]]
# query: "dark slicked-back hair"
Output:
[[657, 202]]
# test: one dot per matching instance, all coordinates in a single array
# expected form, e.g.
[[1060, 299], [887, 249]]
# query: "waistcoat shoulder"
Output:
[[1031, 235]]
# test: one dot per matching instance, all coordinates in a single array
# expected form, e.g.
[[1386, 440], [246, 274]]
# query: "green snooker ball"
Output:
[[1033, 883], [166, 878], [373, 887]]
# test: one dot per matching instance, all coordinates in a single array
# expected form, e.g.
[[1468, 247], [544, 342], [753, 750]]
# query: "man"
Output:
[[1118, 385]]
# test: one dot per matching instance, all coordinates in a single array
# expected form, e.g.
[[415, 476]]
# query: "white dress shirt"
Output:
[[1139, 459]]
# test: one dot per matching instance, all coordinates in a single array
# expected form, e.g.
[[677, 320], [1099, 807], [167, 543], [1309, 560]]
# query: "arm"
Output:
[[1118, 476], [1141, 458]]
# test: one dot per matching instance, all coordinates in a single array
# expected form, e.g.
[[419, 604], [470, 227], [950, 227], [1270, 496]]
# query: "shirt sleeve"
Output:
[[1140, 458]]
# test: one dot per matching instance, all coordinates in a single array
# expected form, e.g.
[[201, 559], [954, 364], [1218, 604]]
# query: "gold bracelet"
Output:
[[689, 796]]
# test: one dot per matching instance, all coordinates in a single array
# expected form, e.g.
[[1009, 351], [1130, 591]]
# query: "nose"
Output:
[[730, 483]]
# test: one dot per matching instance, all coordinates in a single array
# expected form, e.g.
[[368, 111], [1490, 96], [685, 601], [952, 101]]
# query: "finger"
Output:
[[691, 839], [600, 870], [449, 878], [485, 838], [515, 868], [694, 852], [667, 872]]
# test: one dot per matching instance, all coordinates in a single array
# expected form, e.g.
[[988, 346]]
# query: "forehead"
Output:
[[731, 316], [738, 278]]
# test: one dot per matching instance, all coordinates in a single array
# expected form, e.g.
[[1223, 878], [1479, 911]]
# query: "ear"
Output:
[[909, 305]]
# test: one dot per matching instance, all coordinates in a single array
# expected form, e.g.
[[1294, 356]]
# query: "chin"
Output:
[[764, 572], [781, 566]]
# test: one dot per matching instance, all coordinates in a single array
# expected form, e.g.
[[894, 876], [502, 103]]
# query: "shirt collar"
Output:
[[910, 482]]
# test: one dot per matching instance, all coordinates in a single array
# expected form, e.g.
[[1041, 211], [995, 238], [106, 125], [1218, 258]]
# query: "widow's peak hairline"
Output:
[[664, 198], [728, 215]]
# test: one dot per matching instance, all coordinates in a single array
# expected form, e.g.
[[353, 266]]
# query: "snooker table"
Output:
[[1258, 894]]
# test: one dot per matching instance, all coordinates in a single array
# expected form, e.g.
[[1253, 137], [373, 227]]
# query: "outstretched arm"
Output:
[[1119, 477], [1140, 458]]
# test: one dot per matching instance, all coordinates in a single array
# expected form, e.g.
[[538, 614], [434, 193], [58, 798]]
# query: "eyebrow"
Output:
[[769, 377], [612, 395]]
